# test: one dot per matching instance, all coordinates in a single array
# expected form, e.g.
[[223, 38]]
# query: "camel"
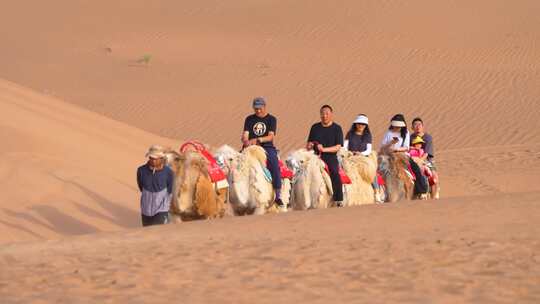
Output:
[[194, 195], [251, 189], [362, 171], [311, 187], [394, 170]]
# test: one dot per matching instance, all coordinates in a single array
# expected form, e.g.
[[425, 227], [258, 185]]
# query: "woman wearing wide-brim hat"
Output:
[[359, 141], [397, 139]]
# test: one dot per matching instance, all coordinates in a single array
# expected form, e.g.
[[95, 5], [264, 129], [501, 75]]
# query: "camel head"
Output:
[[344, 153], [311, 187], [297, 161], [172, 159], [293, 164], [233, 164], [384, 163], [225, 155]]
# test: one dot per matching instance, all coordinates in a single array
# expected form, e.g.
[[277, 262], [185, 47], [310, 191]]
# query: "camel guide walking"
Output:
[[260, 129], [155, 181], [326, 138]]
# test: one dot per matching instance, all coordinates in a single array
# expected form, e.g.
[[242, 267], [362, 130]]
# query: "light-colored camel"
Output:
[[250, 187], [311, 187], [194, 194], [362, 171], [394, 170]]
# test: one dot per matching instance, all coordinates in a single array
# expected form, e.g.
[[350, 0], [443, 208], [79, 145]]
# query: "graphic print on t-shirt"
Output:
[[259, 128]]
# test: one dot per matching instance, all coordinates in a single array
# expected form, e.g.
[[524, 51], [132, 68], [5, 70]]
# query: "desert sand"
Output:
[[86, 87]]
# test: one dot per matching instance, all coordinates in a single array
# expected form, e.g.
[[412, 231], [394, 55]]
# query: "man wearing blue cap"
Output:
[[260, 129]]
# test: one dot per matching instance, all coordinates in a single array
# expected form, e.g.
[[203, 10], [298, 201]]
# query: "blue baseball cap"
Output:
[[259, 102]]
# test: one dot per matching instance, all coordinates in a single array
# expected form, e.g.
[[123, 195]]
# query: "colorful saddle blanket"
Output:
[[214, 170]]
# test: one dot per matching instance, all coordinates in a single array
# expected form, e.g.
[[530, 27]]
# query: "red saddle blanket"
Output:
[[214, 170], [284, 170], [380, 179], [346, 180], [342, 175]]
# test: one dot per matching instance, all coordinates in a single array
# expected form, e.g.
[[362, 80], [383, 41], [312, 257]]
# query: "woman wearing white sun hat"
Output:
[[397, 138], [358, 139]]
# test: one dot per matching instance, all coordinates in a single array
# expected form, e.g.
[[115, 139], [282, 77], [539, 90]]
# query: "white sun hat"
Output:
[[397, 123], [155, 151], [361, 119]]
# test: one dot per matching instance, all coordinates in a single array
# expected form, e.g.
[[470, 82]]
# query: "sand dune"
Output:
[[469, 68], [475, 250], [65, 170]]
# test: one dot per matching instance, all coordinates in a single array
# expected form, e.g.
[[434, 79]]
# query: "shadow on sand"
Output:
[[51, 218]]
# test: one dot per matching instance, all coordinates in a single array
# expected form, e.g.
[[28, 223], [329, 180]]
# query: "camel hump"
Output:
[[257, 153]]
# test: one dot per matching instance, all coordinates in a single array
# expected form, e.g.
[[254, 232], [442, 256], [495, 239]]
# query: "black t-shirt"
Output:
[[358, 143], [326, 136], [260, 126]]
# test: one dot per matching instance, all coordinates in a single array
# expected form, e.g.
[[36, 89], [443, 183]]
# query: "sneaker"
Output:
[[339, 204], [279, 202]]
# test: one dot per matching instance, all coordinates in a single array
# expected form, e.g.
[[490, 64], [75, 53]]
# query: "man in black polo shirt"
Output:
[[326, 138], [260, 129]]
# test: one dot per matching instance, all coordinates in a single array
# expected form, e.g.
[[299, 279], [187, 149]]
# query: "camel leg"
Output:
[[435, 191], [228, 210], [259, 210], [174, 219]]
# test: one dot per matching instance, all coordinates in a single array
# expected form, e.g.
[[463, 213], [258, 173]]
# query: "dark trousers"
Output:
[[333, 167], [420, 184], [159, 219], [273, 166]]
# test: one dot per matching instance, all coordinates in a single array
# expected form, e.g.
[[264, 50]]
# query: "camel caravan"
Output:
[[244, 186], [333, 170]]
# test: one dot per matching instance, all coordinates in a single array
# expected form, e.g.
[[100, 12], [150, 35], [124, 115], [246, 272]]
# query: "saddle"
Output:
[[285, 171], [345, 179], [214, 170], [380, 179]]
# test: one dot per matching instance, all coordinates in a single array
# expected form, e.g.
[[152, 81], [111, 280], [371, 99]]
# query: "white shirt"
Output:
[[389, 135]]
